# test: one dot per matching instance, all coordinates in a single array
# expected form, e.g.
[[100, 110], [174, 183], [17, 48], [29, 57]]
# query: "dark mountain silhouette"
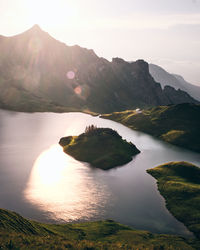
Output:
[[37, 70], [164, 78]]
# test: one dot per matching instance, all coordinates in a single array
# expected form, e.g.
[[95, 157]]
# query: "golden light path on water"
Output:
[[64, 187]]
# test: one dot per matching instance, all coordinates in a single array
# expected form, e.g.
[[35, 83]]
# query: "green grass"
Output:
[[19, 233], [102, 148], [176, 124], [179, 183]]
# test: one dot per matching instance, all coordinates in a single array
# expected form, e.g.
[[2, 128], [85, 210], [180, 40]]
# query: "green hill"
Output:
[[102, 147], [176, 124], [179, 183], [19, 233]]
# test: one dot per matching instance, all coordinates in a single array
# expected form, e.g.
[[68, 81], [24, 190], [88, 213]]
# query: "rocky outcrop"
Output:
[[178, 96]]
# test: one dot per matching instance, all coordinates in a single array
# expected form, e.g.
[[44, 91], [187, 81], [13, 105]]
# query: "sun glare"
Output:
[[51, 12], [64, 187]]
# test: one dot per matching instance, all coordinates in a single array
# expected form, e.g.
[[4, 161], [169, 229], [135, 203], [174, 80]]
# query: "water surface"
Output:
[[41, 182]]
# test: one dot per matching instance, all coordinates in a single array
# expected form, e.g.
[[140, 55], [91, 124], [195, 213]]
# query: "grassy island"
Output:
[[179, 183], [175, 124], [17, 232], [102, 147]]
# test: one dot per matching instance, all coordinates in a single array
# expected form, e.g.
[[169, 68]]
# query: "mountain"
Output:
[[34, 66], [176, 124], [176, 81]]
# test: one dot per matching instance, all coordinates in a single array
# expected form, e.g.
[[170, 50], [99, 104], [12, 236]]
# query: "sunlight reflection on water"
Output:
[[41, 182], [61, 185]]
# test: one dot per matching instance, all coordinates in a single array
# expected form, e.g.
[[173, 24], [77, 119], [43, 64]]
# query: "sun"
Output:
[[52, 12]]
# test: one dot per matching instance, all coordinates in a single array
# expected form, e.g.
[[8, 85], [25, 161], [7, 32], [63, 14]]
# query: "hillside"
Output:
[[17, 232], [101, 147], [17, 98], [164, 78], [179, 183], [176, 124], [48, 71]]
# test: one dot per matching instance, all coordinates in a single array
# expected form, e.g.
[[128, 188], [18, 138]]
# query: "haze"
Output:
[[162, 32]]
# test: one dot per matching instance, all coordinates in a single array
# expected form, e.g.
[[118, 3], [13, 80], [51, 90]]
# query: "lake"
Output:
[[41, 182]]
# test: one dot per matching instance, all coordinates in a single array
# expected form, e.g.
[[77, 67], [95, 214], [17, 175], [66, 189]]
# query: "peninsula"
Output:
[[179, 183], [175, 124]]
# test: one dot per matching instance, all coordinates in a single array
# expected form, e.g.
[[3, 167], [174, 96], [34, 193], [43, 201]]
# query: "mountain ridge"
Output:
[[75, 77], [178, 82]]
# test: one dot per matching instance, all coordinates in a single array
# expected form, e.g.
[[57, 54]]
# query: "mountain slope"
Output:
[[176, 81], [176, 124], [17, 232], [76, 77]]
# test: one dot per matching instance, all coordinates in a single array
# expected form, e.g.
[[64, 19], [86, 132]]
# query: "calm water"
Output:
[[40, 182]]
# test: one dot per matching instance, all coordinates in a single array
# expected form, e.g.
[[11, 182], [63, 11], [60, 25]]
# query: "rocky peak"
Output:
[[144, 66], [36, 27], [36, 31], [118, 60]]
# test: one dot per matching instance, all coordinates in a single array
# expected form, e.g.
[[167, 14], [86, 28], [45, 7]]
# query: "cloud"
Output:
[[144, 21], [135, 21]]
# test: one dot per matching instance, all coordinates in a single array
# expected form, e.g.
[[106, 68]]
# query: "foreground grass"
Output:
[[179, 183], [176, 124], [17, 232]]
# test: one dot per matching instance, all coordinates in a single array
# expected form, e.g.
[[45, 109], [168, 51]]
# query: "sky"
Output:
[[163, 32]]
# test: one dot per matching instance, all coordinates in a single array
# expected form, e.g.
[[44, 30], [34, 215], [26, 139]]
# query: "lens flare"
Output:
[[70, 75], [78, 90]]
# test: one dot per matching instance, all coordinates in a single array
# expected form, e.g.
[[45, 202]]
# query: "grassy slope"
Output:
[[19, 233], [15, 98], [179, 183], [176, 124], [101, 148]]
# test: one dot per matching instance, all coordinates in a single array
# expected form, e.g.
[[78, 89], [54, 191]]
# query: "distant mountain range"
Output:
[[39, 73], [164, 78]]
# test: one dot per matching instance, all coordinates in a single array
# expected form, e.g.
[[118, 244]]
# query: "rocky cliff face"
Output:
[[177, 96], [34, 66]]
